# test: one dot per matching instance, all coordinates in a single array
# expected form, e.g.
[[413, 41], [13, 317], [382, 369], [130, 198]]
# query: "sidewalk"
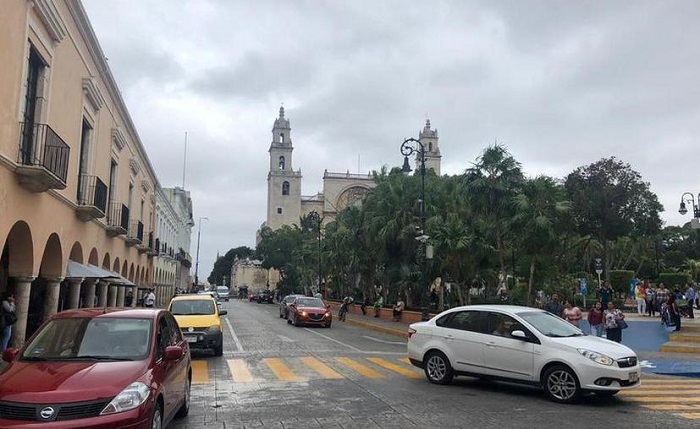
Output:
[[645, 336]]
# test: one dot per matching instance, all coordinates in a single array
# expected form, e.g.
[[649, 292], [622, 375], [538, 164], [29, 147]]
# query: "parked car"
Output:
[[98, 368], [305, 310], [284, 305], [223, 293], [265, 297], [199, 317], [521, 344]]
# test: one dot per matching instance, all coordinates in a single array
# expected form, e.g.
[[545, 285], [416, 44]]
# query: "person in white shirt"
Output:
[[150, 299]]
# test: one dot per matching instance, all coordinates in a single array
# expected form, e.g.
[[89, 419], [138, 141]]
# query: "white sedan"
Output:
[[524, 345]]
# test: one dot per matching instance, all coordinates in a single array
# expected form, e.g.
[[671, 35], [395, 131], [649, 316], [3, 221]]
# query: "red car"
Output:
[[309, 311], [98, 368]]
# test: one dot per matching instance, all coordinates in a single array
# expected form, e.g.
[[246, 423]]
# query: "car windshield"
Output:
[[222, 290], [99, 338], [309, 302], [289, 299], [550, 325], [192, 307]]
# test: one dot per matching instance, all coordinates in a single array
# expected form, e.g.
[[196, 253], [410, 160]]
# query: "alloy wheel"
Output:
[[562, 385], [157, 422]]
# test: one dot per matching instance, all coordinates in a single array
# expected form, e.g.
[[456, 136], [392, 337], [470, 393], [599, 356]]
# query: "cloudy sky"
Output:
[[561, 84]]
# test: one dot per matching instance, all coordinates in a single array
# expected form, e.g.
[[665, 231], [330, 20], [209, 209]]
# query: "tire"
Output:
[[295, 322], [328, 326], [219, 350], [437, 368], [289, 322], [157, 417], [561, 384], [185, 408]]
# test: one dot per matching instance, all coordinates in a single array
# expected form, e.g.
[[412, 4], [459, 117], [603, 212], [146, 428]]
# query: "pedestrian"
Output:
[[595, 319], [572, 314], [650, 298], [690, 297], [7, 317], [671, 314], [150, 299], [662, 295], [614, 321], [605, 293], [129, 299], [554, 306], [366, 303], [398, 310], [378, 305], [640, 295]]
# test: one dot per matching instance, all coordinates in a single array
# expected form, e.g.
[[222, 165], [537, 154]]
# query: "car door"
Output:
[[180, 367], [462, 334], [505, 356], [167, 369]]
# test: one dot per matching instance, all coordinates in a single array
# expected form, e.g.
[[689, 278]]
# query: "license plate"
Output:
[[191, 339], [634, 377]]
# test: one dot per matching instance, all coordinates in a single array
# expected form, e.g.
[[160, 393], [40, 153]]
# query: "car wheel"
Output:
[[289, 321], [328, 326], [157, 419], [561, 385], [437, 368], [185, 408], [219, 350]]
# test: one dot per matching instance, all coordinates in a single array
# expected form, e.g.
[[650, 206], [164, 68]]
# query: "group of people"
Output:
[[609, 319]]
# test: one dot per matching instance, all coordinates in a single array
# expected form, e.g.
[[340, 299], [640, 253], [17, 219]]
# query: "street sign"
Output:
[[598, 266], [584, 286]]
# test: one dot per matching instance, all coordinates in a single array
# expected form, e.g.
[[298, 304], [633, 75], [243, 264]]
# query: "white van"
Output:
[[222, 292]]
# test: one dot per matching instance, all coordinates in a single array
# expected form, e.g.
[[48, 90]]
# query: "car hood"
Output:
[[313, 309], [596, 344], [197, 321], [51, 382]]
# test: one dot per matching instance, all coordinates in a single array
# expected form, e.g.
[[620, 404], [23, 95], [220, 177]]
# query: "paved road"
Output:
[[275, 375]]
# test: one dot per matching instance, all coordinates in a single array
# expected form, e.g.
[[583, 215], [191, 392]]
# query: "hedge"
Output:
[[674, 280]]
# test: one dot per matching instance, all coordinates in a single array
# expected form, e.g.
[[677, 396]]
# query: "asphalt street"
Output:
[[275, 375]]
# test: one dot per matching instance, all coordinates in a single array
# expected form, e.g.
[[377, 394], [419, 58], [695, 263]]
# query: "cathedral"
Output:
[[285, 204]]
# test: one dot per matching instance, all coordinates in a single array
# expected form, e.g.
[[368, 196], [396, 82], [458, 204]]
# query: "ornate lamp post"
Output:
[[317, 220], [687, 197], [408, 148], [196, 265]]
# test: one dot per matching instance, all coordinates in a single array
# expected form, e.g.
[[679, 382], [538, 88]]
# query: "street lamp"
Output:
[[687, 197], [408, 148], [316, 219], [196, 265]]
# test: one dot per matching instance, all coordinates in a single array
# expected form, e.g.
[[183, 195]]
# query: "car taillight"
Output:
[[411, 331]]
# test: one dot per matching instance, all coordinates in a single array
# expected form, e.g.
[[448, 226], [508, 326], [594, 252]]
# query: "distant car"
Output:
[[199, 317], [211, 293], [95, 368], [222, 293], [265, 297], [309, 311], [284, 305], [521, 344], [253, 297]]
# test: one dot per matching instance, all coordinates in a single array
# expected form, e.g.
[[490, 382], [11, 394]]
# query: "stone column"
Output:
[[89, 293], [112, 296], [121, 291], [102, 298], [74, 288], [135, 292], [53, 289], [22, 291]]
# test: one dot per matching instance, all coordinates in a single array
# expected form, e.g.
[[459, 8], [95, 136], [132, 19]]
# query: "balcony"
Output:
[[147, 247], [135, 234], [155, 250], [92, 198], [43, 158], [117, 219]]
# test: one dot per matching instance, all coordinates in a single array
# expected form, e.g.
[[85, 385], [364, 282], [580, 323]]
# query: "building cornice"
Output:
[[92, 93], [118, 139], [134, 166], [52, 19]]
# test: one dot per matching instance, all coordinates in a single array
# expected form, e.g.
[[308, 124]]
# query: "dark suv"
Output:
[[266, 297]]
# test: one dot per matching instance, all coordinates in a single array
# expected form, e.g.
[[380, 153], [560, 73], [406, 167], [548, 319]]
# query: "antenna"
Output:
[[184, 164]]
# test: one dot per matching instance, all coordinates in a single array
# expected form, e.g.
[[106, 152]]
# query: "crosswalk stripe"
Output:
[[667, 381], [281, 370], [324, 370], [642, 392], [692, 416], [676, 399], [671, 407], [200, 372], [673, 386], [406, 361], [239, 371], [395, 368], [359, 368]]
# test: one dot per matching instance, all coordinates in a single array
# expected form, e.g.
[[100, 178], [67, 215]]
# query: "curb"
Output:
[[373, 327]]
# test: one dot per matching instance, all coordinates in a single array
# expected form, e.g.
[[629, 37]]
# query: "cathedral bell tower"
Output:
[[283, 183], [429, 139]]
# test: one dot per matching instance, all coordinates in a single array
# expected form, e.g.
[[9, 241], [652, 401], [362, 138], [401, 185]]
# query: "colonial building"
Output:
[[77, 190], [250, 275]]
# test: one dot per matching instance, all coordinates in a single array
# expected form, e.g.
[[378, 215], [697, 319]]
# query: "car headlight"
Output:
[[303, 313], [328, 314], [597, 357], [214, 329], [132, 397]]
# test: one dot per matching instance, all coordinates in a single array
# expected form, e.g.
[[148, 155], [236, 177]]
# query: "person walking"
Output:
[[605, 293], [595, 319], [129, 299], [650, 299], [572, 314], [690, 297], [614, 319], [554, 306], [8, 317], [662, 294], [150, 299], [640, 295], [671, 315]]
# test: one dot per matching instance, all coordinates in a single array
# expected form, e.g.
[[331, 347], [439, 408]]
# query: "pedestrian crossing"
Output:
[[302, 369], [678, 395]]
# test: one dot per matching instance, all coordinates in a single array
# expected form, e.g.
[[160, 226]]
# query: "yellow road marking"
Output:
[[692, 416], [281, 370], [670, 407], [406, 361], [395, 368], [359, 368], [239, 371], [668, 380], [324, 370], [642, 392], [676, 399], [646, 387], [200, 372]]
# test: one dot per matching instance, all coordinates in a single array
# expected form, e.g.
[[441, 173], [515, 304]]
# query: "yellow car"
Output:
[[199, 318]]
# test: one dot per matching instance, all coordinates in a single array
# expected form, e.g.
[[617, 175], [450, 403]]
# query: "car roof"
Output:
[[193, 296], [510, 309], [107, 312]]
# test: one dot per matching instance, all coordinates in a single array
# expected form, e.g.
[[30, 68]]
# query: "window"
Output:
[[282, 137], [131, 195], [281, 163], [112, 181], [474, 321], [502, 325], [163, 338], [35, 69], [83, 160], [285, 188], [279, 210]]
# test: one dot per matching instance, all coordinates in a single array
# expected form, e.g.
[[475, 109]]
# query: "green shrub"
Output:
[[674, 280], [620, 281]]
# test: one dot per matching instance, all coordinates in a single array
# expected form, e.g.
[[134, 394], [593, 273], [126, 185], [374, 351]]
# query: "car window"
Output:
[[163, 337], [309, 302], [502, 325], [550, 325], [175, 332], [473, 321], [185, 307]]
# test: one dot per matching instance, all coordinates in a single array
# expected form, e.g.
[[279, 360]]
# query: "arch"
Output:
[[52, 259], [430, 146], [20, 250], [106, 262], [76, 253], [137, 278], [125, 269], [350, 196], [147, 279], [94, 258], [116, 265], [131, 272], [285, 188], [281, 161]]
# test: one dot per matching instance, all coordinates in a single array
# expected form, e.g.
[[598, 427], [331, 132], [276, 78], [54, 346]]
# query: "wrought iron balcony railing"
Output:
[[43, 158]]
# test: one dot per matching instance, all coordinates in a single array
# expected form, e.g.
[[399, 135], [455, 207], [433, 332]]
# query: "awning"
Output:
[[78, 270]]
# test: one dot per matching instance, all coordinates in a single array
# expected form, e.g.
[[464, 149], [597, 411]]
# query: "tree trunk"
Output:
[[441, 296], [531, 279]]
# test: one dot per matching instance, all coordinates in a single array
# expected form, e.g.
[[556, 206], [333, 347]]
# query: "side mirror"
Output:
[[10, 354], [519, 335], [173, 353], [223, 312]]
